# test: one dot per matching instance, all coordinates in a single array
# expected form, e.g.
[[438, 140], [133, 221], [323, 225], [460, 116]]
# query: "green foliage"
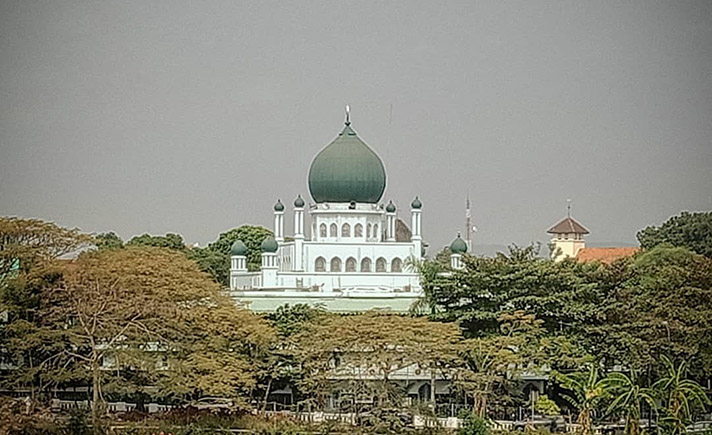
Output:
[[586, 391], [688, 230], [546, 406], [370, 347], [169, 241], [680, 396], [289, 320], [659, 303], [473, 425], [214, 259], [108, 240], [628, 396], [559, 294]]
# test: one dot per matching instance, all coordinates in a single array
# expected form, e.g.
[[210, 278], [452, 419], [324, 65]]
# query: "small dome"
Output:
[[347, 170], [299, 202], [391, 208], [269, 244], [416, 204], [279, 206], [238, 248], [458, 245]]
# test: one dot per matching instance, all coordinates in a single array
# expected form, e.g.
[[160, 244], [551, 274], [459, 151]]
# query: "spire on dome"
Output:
[[348, 115]]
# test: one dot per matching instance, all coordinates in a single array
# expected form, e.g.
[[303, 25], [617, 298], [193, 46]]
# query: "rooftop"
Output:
[[568, 225], [605, 255]]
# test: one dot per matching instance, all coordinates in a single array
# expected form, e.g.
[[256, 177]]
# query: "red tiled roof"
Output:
[[605, 255], [568, 225]]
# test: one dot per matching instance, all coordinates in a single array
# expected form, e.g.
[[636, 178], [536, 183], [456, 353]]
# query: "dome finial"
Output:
[[348, 115]]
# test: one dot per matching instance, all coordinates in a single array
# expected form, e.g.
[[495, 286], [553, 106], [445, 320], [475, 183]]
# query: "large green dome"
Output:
[[347, 170]]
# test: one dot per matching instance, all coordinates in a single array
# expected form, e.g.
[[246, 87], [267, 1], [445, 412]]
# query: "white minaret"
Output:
[[298, 233], [390, 222], [458, 247], [270, 263], [238, 262], [279, 221], [416, 238], [567, 237]]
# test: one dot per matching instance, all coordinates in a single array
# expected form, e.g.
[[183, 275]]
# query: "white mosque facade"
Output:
[[351, 259]]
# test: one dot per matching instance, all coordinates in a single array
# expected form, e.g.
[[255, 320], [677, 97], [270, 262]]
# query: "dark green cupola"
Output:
[[299, 202], [347, 170], [269, 245], [458, 246], [238, 248], [416, 204], [391, 208], [279, 206]]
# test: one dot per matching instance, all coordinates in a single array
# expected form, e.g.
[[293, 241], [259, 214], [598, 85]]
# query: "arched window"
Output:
[[351, 264], [381, 265], [366, 265], [375, 232], [320, 264], [396, 265], [368, 231], [322, 230], [336, 264], [358, 230], [345, 230], [333, 230]]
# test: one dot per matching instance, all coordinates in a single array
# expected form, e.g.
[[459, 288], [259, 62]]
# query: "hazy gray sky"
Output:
[[195, 116]]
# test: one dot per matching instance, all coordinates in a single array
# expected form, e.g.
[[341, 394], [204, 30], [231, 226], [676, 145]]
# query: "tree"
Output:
[[658, 303], [628, 397], [680, 396], [108, 241], [585, 393], [170, 241], [688, 230], [151, 311], [559, 294], [279, 365], [365, 350], [25, 243], [30, 250], [215, 258], [494, 360], [546, 406]]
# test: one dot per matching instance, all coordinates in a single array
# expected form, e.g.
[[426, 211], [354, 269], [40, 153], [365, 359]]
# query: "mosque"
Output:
[[357, 256]]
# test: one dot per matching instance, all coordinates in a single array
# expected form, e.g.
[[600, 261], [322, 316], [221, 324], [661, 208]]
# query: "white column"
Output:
[[416, 238], [456, 261], [269, 269], [279, 226], [390, 226], [239, 264], [297, 263]]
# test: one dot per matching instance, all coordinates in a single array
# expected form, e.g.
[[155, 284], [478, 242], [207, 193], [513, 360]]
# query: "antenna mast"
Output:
[[468, 223]]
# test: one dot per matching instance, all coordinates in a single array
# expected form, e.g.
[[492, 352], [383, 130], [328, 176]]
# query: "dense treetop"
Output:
[[689, 230]]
